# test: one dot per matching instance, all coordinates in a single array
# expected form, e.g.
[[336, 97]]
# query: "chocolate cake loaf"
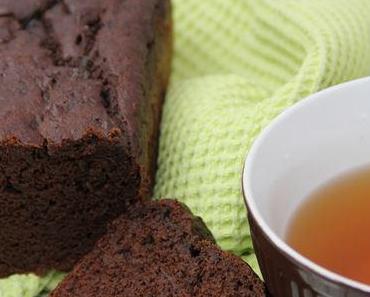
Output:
[[159, 249], [81, 88]]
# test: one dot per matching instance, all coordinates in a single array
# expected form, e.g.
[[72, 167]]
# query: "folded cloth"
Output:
[[237, 65], [29, 285]]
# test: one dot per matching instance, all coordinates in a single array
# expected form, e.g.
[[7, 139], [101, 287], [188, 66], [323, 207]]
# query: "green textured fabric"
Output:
[[29, 285], [237, 65]]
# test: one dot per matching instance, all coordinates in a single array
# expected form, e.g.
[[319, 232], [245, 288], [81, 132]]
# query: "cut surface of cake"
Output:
[[81, 88], [159, 249]]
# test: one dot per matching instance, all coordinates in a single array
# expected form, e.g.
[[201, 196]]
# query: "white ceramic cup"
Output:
[[319, 138]]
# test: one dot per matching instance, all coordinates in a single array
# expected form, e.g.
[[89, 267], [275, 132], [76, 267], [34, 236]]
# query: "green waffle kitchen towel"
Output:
[[29, 285], [237, 64]]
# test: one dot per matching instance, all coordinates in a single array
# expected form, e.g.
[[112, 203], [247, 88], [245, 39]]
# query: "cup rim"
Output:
[[253, 209]]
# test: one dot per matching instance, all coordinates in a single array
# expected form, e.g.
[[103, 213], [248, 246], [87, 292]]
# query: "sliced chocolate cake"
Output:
[[159, 249], [81, 89]]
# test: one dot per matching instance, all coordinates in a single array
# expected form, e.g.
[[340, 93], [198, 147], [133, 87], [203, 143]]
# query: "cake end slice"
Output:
[[159, 249]]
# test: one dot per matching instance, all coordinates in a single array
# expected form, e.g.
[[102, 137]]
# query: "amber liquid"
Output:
[[332, 227]]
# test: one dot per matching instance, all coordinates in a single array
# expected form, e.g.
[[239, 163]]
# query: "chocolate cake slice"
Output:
[[159, 249], [81, 88]]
